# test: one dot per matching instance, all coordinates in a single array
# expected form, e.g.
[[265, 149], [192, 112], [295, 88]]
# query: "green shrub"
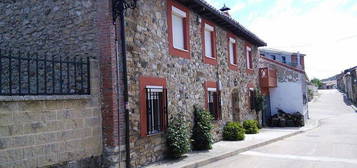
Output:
[[201, 135], [178, 139], [233, 131], [250, 126]]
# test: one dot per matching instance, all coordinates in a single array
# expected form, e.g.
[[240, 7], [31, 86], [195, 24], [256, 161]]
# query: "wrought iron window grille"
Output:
[[156, 109]]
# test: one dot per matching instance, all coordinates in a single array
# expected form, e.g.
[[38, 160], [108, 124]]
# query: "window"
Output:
[[283, 59], [208, 42], [249, 58], [178, 17], [153, 105], [213, 100], [178, 29], [273, 57], [232, 51]]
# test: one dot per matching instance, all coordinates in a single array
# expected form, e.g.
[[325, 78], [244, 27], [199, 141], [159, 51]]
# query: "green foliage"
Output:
[[178, 139], [201, 135], [258, 101], [233, 131], [316, 82], [250, 126]]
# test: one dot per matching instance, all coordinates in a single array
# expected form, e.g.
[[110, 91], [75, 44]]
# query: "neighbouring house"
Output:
[[331, 84], [347, 83], [283, 83], [85, 84], [294, 59]]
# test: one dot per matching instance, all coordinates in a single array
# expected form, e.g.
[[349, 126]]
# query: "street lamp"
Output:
[[120, 6]]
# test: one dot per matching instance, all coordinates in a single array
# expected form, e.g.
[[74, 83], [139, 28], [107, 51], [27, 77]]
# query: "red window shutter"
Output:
[[143, 114], [219, 107], [215, 105]]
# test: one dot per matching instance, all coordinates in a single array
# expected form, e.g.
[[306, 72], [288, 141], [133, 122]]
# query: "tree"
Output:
[[316, 82]]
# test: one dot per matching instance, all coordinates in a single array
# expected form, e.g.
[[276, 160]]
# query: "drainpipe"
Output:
[[122, 48]]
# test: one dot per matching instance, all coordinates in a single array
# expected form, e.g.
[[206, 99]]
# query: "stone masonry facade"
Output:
[[89, 130], [148, 56], [38, 131]]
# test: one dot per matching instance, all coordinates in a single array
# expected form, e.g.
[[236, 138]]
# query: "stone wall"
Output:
[[38, 131], [148, 55]]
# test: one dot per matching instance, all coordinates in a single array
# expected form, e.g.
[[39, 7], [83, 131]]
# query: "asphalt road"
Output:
[[332, 145]]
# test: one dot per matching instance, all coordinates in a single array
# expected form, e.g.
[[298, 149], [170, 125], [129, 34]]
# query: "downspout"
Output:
[[125, 82], [122, 48]]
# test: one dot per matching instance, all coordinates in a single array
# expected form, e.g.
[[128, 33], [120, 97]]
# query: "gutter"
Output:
[[234, 26]]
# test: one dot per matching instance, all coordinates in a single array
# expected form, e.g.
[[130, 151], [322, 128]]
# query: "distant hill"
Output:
[[330, 78]]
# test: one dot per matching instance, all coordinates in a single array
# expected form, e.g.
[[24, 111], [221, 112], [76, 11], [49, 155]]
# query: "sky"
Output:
[[324, 30]]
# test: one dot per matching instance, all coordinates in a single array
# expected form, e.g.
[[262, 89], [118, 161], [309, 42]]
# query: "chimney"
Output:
[[225, 10]]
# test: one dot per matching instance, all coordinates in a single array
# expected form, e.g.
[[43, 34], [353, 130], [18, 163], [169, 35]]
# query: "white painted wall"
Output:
[[288, 96]]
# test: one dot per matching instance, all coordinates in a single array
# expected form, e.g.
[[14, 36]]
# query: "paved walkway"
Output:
[[225, 149]]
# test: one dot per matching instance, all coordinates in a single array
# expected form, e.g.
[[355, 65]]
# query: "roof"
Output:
[[208, 11], [350, 69], [283, 65], [272, 50]]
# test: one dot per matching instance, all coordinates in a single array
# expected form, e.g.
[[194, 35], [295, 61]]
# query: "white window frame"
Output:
[[232, 42], [210, 29], [181, 14], [248, 61]]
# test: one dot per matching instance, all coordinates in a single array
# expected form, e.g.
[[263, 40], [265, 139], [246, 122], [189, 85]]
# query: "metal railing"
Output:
[[156, 105], [24, 73]]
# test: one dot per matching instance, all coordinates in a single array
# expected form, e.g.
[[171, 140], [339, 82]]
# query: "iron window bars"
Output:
[[29, 74], [156, 108]]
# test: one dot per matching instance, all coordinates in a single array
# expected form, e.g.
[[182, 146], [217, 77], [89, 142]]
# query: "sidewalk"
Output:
[[224, 149]]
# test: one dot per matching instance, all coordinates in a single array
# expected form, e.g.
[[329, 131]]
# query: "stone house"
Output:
[[189, 54], [347, 83], [149, 61], [284, 86]]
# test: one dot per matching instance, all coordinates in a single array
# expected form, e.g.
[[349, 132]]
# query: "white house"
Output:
[[283, 83]]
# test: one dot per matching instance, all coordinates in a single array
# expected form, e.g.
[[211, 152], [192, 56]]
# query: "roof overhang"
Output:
[[207, 11]]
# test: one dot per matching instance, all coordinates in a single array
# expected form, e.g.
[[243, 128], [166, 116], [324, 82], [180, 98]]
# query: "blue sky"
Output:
[[325, 30]]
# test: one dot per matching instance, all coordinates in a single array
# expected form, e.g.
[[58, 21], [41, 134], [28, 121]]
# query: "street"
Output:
[[332, 145]]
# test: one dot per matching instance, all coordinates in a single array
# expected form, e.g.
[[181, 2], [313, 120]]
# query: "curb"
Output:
[[230, 154]]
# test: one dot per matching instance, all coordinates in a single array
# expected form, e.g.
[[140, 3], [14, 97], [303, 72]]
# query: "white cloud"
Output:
[[321, 33], [237, 7]]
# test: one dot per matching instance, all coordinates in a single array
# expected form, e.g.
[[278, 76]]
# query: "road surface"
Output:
[[332, 145]]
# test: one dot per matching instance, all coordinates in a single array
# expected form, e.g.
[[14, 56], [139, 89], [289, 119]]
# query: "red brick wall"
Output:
[[107, 51]]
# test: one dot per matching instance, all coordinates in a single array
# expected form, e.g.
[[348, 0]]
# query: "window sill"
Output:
[[180, 53], [183, 50], [233, 67], [209, 60], [44, 97], [250, 71], [155, 134]]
